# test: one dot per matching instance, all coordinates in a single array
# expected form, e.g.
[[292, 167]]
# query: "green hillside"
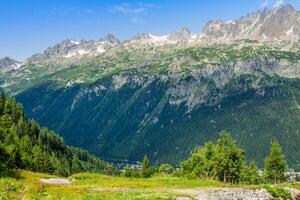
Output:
[[25, 145], [113, 124]]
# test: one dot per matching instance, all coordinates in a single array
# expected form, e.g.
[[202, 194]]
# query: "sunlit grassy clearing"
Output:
[[86, 179]]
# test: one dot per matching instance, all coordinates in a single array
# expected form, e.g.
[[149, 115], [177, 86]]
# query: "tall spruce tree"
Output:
[[229, 159], [275, 164], [146, 170], [250, 174]]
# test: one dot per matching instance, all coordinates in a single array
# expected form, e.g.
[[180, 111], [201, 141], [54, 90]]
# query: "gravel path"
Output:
[[203, 193]]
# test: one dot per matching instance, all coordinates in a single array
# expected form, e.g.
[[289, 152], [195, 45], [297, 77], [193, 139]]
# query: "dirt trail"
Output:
[[55, 181]]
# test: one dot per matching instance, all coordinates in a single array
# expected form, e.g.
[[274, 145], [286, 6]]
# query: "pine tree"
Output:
[[229, 159], [275, 164], [146, 163], [146, 170], [75, 165], [250, 174]]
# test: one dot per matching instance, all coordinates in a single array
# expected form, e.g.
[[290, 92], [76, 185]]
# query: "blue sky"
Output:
[[30, 26]]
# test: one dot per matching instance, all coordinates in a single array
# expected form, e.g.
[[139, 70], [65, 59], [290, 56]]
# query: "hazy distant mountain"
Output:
[[183, 34], [71, 48], [8, 64]]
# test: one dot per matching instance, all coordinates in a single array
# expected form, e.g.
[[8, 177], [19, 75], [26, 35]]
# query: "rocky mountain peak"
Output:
[[284, 9], [71, 48], [141, 36], [182, 34], [279, 23], [111, 39], [8, 64]]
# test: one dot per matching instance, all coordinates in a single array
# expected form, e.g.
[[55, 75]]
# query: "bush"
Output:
[[278, 191], [166, 169], [147, 173], [110, 170], [131, 173]]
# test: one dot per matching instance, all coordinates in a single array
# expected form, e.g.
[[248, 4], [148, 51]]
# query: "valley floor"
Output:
[[34, 186]]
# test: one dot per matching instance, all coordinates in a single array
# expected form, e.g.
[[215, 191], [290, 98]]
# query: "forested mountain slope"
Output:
[[24, 145], [163, 95]]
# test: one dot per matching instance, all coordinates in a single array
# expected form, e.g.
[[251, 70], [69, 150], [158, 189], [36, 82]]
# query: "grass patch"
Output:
[[297, 186], [93, 180], [278, 191], [87, 186], [27, 186]]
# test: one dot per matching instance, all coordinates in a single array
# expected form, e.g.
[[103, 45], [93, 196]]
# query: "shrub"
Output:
[[131, 173], [166, 169], [278, 191], [147, 173]]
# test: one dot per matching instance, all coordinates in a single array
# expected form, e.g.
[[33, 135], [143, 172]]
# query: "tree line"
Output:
[[225, 161], [25, 145], [221, 160]]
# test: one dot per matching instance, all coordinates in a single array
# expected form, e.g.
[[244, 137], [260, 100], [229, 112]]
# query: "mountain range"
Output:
[[164, 95], [8, 64], [279, 24]]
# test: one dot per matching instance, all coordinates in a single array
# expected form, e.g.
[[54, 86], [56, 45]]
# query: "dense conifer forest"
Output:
[[26, 145]]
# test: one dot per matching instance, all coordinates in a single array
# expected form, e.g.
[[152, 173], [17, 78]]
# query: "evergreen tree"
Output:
[[229, 159], [146, 169], [275, 164], [75, 165], [250, 174], [145, 164], [223, 160]]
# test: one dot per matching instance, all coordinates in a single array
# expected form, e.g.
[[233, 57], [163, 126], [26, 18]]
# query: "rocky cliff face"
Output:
[[280, 23]]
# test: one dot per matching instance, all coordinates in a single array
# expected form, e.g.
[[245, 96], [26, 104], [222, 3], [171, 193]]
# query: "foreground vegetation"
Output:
[[25, 185], [24, 145]]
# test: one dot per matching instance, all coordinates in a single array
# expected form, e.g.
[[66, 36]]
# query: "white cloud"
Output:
[[62, 10], [278, 3], [134, 12], [264, 3], [128, 9]]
